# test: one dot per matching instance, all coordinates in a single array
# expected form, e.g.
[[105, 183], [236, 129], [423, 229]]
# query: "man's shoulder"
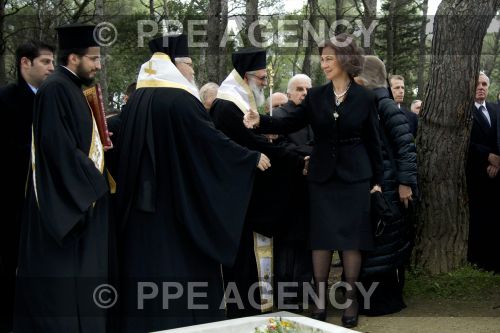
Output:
[[222, 105], [8, 90], [492, 106]]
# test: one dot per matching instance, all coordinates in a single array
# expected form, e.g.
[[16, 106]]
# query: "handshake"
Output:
[[265, 163]]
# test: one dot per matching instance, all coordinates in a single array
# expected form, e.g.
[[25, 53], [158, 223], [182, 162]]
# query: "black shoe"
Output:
[[320, 315], [350, 322]]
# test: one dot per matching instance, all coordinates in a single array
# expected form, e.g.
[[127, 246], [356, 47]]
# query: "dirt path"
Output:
[[425, 315]]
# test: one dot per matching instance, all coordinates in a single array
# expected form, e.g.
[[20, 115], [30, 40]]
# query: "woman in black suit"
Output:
[[345, 165]]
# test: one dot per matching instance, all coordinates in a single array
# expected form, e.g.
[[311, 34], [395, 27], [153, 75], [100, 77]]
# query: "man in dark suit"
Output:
[[34, 63], [483, 180], [398, 92]]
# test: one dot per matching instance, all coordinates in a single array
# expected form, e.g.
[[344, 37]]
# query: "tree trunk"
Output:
[[215, 56], [221, 75], [103, 75], [152, 15], [312, 6], [442, 228], [3, 75], [369, 15], [390, 36], [422, 51], [252, 15], [339, 15]]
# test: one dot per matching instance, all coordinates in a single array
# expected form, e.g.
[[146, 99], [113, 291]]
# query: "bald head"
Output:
[[279, 99]]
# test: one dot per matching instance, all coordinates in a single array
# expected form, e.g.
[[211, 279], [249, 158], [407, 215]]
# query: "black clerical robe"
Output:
[[16, 103], [64, 236], [182, 194], [268, 204]]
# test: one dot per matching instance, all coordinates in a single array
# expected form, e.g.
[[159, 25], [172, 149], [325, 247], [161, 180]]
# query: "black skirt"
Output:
[[340, 215]]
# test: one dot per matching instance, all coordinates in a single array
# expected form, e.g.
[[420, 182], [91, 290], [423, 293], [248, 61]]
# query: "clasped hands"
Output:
[[252, 120], [494, 166]]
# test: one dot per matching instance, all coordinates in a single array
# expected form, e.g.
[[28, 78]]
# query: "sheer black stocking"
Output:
[[351, 261], [321, 260]]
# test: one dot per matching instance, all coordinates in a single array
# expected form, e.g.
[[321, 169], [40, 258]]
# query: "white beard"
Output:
[[258, 93], [193, 82]]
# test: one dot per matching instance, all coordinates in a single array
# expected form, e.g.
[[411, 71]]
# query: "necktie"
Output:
[[482, 111]]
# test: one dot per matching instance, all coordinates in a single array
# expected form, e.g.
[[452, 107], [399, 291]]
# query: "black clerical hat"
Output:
[[175, 46], [76, 36], [249, 59]]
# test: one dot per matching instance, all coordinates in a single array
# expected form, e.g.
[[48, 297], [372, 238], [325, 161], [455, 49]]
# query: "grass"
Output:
[[467, 282]]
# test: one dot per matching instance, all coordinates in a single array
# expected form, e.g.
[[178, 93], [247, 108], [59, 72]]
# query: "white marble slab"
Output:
[[248, 325]]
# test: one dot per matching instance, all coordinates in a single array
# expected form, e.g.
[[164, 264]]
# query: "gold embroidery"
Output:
[[150, 70], [96, 153]]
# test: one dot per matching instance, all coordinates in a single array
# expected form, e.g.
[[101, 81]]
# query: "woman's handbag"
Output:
[[382, 213]]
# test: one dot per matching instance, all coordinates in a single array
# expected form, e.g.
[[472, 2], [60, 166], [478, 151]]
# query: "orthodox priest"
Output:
[[64, 237], [241, 91], [183, 190]]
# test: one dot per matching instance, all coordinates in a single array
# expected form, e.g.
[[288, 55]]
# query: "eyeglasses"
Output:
[[183, 61], [95, 59], [262, 78]]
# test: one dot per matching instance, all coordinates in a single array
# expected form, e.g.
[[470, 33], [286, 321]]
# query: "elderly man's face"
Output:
[[482, 86], [185, 66], [299, 91], [259, 78]]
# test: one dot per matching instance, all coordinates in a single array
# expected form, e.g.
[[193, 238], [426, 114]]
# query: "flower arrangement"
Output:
[[277, 325]]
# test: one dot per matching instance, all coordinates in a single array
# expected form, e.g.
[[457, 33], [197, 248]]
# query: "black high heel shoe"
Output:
[[351, 321], [320, 315]]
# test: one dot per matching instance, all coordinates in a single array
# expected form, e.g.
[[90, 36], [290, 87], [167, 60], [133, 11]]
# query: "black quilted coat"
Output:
[[392, 247]]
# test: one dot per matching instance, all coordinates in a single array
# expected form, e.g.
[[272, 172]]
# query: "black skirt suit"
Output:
[[345, 163]]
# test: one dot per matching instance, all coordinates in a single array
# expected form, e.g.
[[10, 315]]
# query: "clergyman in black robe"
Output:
[[182, 193], [64, 237], [236, 95]]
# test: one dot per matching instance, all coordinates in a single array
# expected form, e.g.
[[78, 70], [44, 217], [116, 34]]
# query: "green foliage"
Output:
[[467, 282], [404, 24]]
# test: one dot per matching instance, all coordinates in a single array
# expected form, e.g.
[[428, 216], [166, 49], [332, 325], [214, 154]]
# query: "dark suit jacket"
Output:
[[348, 147], [483, 141]]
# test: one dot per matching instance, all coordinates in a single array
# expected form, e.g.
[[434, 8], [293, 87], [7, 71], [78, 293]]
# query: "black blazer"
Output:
[[483, 141], [348, 147]]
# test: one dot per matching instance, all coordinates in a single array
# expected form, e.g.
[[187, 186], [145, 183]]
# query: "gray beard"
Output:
[[258, 94]]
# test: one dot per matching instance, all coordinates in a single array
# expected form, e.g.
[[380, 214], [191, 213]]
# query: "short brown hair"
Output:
[[348, 54], [396, 77]]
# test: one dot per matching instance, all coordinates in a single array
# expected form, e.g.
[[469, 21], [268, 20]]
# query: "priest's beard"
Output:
[[258, 93], [193, 83], [86, 76]]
